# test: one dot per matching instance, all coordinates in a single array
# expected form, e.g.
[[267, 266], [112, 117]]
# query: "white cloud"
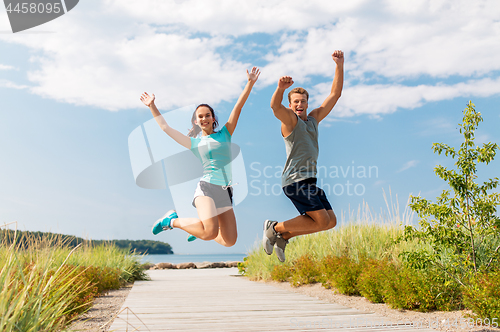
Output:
[[235, 18], [105, 53], [12, 85], [6, 67], [178, 70], [108, 63], [440, 125], [461, 40], [381, 99], [327, 122], [409, 164]]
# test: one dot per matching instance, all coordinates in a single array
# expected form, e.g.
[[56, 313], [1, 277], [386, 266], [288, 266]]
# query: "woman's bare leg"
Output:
[[227, 227], [207, 226]]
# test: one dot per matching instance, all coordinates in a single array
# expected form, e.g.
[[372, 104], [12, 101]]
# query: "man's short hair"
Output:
[[302, 91]]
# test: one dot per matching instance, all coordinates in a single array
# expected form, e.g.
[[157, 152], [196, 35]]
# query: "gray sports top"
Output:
[[301, 152]]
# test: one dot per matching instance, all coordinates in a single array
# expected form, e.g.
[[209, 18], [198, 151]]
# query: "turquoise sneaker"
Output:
[[163, 224], [191, 238]]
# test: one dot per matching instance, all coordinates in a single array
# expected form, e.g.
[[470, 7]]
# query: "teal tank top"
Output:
[[301, 152], [214, 152]]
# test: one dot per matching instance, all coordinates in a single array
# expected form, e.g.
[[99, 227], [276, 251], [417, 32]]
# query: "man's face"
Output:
[[298, 104]]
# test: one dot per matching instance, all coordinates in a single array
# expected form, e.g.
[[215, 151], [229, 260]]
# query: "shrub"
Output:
[[422, 290], [329, 266], [281, 272], [305, 270], [341, 273], [371, 280], [398, 290], [242, 266], [483, 297], [104, 278], [132, 270]]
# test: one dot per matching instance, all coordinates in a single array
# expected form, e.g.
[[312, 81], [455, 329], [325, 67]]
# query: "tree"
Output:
[[461, 230]]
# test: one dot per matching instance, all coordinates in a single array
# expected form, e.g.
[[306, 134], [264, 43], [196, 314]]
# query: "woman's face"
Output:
[[204, 118]]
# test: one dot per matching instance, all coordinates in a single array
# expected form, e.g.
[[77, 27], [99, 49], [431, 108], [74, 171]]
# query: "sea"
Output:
[[195, 258]]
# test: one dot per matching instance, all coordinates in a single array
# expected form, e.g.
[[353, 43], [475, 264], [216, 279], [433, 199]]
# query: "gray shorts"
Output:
[[222, 197]]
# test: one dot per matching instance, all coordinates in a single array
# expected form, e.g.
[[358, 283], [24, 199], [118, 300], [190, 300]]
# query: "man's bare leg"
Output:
[[312, 222]]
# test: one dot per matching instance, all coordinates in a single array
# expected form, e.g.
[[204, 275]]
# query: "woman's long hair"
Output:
[[195, 130]]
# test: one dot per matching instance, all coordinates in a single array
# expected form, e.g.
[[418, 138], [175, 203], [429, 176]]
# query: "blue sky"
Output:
[[70, 89]]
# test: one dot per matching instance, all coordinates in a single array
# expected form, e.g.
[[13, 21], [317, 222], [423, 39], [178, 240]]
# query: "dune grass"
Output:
[[48, 284], [361, 257], [359, 234]]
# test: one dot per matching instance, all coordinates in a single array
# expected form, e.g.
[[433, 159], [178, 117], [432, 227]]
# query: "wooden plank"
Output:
[[220, 300]]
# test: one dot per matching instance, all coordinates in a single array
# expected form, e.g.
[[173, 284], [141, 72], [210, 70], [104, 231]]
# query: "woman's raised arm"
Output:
[[177, 136], [235, 114]]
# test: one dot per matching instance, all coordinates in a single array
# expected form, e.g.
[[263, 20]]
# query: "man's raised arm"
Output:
[[338, 82], [281, 112]]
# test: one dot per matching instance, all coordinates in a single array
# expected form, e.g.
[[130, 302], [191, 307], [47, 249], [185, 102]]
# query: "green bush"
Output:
[[422, 290], [132, 270], [103, 278], [371, 280], [242, 266], [281, 272], [305, 270], [483, 298], [341, 273], [398, 290], [399, 286], [329, 267]]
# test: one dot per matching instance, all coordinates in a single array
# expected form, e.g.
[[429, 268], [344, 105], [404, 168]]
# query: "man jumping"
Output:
[[300, 132]]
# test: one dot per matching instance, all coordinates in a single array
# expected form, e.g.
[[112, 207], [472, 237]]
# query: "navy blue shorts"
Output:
[[306, 196], [222, 197]]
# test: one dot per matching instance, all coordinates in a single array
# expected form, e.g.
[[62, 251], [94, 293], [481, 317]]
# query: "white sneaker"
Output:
[[270, 236], [279, 247]]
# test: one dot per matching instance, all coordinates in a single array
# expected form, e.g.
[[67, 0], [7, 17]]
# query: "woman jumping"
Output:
[[213, 194]]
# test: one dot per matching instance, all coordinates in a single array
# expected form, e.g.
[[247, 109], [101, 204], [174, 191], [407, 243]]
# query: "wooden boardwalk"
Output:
[[220, 300]]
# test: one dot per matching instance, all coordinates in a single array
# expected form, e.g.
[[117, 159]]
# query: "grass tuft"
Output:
[[46, 283]]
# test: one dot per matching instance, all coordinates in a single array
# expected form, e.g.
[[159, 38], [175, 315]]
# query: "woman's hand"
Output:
[[147, 99], [253, 75]]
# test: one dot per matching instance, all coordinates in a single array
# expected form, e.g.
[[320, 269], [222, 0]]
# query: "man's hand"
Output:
[[285, 82], [253, 75], [147, 99], [338, 57], [338, 82]]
